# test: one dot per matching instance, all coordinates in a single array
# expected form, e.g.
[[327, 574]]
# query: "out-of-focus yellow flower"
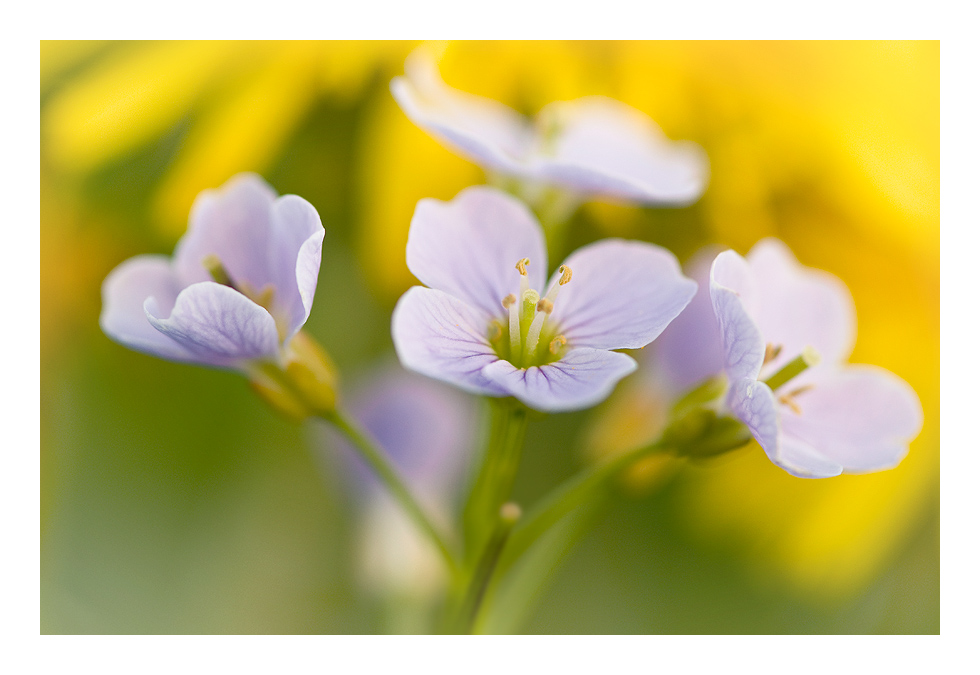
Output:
[[833, 147], [403, 164], [241, 102]]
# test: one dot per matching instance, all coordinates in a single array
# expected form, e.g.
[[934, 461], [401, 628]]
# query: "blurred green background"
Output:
[[172, 500]]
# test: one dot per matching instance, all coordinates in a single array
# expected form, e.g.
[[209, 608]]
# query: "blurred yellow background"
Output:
[[171, 501]]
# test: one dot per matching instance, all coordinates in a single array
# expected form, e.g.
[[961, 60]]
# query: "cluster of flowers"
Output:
[[752, 346], [242, 280]]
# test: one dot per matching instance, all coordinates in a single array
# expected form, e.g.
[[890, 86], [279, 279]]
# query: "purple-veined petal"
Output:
[[468, 247], [862, 417], [125, 291], [294, 258], [754, 403], [800, 306], [217, 325], [600, 146], [438, 335], [234, 223], [483, 130], [735, 299], [689, 350], [582, 378], [622, 294]]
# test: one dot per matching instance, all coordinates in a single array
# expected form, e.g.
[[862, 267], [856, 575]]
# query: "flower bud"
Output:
[[304, 385]]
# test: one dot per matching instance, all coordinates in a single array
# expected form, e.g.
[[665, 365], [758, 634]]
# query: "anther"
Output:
[[793, 405], [799, 390], [212, 264], [557, 344], [545, 305], [522, 269], [566, 274], [789, 399], [496, 332], [772, 353], [508, 301]]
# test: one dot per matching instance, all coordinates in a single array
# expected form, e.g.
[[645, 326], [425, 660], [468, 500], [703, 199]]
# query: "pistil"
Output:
[[808, 358], [527, 313]]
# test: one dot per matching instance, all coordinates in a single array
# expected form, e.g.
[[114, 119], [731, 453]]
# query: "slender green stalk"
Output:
[[477, 587], [515, 594], [493, 483], [565, 499], [389, 476]]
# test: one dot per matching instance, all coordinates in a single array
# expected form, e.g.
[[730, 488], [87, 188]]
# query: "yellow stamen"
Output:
[[508, 301], [566, 274], [522, 269], [557, 344], [496, 332], [514, 319], [799, 390], [212, 264], [772, 353], [790, 398], [786, 400], [545, 305], [533, 335]]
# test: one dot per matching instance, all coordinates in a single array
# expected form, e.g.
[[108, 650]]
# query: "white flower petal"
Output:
[[468, 247], [735, 296], [217, 325], [861, 417], [604, 147], [799, 306], [581, 379], [622, 294], [125, 291], [483, 130], [438, 335]]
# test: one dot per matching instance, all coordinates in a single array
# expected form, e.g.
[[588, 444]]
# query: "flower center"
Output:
[[809, 357], [263, 298], [525, 336]]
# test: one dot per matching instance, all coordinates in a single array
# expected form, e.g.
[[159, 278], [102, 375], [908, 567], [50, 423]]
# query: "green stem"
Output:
[[396, 486], [477, 588], [565, 499], [492, 486]]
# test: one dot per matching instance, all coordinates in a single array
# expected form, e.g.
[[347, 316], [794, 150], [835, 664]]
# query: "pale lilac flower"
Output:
[[689, 351], [427, 430], [483, 325], [775, 316], [593, 146], [238, 288]]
